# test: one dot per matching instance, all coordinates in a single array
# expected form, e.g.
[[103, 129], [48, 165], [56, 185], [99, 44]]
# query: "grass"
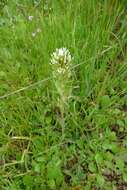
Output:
[[93, 153]]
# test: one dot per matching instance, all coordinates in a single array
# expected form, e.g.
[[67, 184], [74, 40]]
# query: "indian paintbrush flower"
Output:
[[60, 62]]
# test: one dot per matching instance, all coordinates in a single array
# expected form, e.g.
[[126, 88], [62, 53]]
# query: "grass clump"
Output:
[[88, 101]]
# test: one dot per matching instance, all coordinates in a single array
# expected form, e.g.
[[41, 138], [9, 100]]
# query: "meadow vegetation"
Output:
[[79, 143]]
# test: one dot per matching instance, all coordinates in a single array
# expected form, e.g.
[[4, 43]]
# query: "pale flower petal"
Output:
[[30, 18]]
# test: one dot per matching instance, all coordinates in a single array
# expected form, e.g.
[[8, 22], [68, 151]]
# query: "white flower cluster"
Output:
[[61, 59], [30, 18], [35, 33]]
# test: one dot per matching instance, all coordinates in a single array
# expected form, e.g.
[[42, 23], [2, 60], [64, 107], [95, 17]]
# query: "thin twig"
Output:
[[25, 88], [13, 163], [20, 138]]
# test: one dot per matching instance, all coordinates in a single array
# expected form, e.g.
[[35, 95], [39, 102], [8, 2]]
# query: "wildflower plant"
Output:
[[61, 61], [61, 69]]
